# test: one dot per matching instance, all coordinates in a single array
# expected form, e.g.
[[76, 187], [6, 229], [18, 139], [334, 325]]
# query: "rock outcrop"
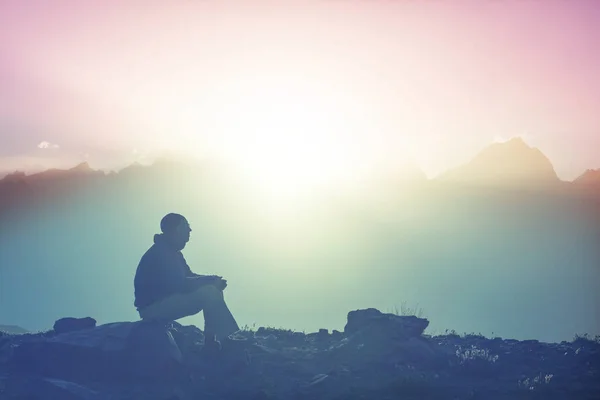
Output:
[[69, 324], [121, 349], [372, 321], [377, 356]]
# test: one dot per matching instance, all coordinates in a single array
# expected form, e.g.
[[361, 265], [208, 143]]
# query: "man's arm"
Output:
[[194, 281], [188, 272]]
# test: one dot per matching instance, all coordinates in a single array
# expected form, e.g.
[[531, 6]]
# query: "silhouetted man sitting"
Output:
[[166, 289]]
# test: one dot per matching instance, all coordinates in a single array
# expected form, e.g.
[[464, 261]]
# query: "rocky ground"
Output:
[[378, 356]]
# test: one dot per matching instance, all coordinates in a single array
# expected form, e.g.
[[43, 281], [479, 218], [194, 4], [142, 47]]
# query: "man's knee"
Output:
[[210, 294]]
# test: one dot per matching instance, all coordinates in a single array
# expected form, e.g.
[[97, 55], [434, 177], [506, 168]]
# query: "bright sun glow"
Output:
[[286, 135]]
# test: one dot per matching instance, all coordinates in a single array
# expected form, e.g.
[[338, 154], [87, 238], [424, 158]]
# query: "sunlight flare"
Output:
[[288, 136]]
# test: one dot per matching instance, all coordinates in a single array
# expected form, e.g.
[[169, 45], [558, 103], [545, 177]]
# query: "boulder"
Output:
[[188, 338], [371, 336], [70, 324], [121, 349], [337, 335], [373, 321]]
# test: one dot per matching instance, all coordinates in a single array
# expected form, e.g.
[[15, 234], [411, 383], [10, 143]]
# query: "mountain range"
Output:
[[508, 165], [512, 162], [13, 329]]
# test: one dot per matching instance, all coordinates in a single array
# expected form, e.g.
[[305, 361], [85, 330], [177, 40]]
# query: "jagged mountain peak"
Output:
[[589, 177], [14, 176], [82, 167], [510, 162]]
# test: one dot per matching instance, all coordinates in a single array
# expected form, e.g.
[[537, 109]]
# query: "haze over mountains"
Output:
[[511, 162], [499, 245]]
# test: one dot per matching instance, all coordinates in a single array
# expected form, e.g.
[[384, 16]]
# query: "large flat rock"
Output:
[[374, 322], [110, 350]]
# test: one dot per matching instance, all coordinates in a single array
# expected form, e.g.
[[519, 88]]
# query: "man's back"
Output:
[[160, 273]]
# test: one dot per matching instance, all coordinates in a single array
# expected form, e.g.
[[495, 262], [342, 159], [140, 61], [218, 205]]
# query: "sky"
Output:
[[331, 84]]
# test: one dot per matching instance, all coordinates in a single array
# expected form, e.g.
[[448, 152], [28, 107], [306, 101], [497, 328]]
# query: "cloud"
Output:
[[47, 145]]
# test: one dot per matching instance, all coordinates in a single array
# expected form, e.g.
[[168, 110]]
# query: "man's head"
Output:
[[176, 229]]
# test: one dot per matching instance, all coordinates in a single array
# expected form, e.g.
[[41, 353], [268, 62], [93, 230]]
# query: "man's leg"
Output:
[[172, 308], [218, 320]]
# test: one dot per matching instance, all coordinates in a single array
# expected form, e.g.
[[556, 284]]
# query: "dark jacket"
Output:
[[162, 271]]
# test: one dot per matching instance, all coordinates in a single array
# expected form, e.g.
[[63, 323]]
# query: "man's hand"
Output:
[[194, 282], [219, 282]]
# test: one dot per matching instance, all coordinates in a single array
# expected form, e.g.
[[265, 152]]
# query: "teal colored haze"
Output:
[[506, 263]]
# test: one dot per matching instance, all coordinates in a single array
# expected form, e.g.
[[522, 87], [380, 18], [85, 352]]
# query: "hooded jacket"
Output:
[[161, 272]]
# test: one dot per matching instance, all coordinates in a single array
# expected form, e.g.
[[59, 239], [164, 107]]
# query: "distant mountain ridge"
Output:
[[81, 169], [13, 329], [589, 177], [510, 162]]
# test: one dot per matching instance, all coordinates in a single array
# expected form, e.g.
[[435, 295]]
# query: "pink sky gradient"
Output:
[[435, 80]]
